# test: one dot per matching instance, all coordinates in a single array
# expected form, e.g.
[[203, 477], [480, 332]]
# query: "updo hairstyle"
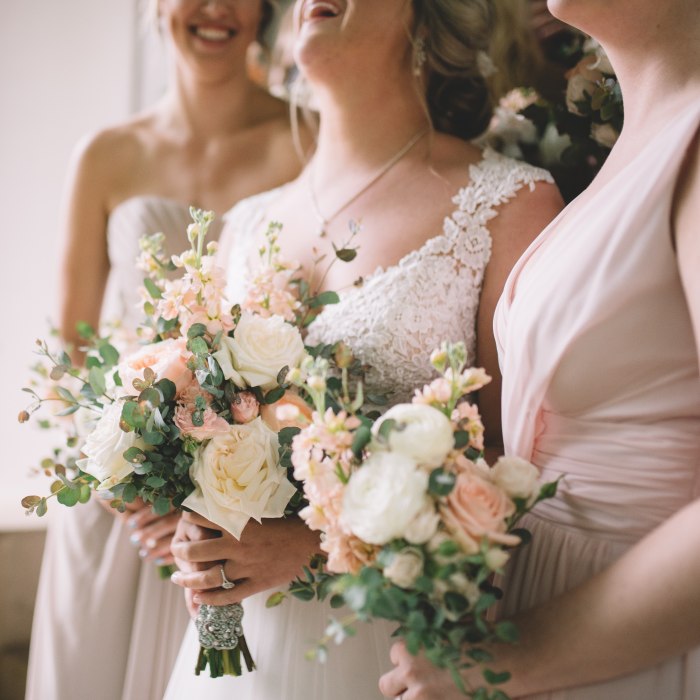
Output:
[[451, 39]]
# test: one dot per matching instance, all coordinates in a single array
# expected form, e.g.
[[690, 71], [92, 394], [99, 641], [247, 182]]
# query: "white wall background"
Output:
[[67, 67]]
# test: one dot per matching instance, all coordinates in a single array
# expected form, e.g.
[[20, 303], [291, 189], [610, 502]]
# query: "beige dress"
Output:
[[105, 626], [601, 385]]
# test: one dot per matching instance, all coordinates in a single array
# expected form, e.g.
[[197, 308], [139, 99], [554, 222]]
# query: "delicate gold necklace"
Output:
[[322, 220]]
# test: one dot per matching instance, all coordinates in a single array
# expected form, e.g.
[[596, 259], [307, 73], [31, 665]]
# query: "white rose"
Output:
[[383, 497], [427, 436], [517, 477], [105, 446], [604, 134], [261, 347], [424, 526], [238, 477], [405, 568], [225, 359]]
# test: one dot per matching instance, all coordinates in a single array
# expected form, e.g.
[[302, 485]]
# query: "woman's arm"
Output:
[[518, 224], [85, 262], [640, 611]]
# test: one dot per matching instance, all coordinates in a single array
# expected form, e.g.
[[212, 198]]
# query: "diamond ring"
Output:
[[226, 584]]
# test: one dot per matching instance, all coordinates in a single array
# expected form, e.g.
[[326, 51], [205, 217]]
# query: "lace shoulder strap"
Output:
[[494, 180], [240, 225]]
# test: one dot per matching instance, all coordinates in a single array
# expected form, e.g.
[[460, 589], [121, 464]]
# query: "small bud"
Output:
[[23, 417], [177, 261], [192, 232], [438, 359], [317, 383], [496, 558], [343, 356], [294, 377], [212, 247]]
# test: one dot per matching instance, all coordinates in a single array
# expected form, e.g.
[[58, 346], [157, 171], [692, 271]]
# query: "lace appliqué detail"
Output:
[[400, 315], [397, 318]]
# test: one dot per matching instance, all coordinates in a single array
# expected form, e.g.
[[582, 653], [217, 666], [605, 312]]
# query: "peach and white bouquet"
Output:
[[414, 522]]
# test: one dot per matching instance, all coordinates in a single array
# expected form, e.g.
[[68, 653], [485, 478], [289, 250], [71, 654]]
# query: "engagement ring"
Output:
[[226, 584]]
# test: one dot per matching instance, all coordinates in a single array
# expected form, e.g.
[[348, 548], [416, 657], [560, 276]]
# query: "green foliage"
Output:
[[152, 288], [324, 299], [161, 506], [441, 483], [85, 330]]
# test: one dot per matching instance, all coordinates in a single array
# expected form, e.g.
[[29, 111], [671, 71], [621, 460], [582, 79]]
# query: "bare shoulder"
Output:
[[106, 158]]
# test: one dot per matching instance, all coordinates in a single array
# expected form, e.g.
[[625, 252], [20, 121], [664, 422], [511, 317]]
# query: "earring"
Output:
[[419, 55]]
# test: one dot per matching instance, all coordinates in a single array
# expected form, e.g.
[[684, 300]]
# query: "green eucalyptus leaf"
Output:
[[129, 494], [461, 439], [85, 330], [162, 506], [155, 482], [274, 395], [508, 632], [324, 299], [362, 437], [85, 493], [67, 411], [152, 437], [441, 482], [199, 346], [493, 678], [97, 380], [196, 330], [152, 288], [68, 497], [167, 388], [110, 355]]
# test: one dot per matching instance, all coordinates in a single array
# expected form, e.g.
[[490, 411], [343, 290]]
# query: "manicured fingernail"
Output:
[[159, 561], [151, 542], [135, 539], [197, 599], [143, 553], [175, 578], [133, 523]]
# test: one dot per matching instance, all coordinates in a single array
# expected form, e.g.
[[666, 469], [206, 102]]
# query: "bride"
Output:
[[400, 92]]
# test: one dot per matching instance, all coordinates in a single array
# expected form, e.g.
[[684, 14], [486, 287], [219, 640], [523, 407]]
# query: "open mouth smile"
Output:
[[212, 33], [320, 10]]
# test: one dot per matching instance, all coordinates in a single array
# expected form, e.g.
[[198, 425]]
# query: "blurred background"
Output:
[[66, 69]]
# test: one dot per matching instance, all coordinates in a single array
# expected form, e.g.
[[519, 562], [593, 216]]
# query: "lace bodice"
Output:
[[399, 315]]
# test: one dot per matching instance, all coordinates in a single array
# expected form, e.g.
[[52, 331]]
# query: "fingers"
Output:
[[141, 518], [192, 607], [207, 550], [392, 684], [398, 653], [159, 529], [187, 532], [204, 580], [197, 519], [244, 589]]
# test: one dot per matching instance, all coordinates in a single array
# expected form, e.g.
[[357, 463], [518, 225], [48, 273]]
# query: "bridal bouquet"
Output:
[[414, 522]]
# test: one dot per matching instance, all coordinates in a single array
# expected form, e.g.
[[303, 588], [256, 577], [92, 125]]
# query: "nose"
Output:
[[215, 7]]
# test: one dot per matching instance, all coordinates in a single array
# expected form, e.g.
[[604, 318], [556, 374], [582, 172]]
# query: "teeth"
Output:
[[213, 34], [320, 9]]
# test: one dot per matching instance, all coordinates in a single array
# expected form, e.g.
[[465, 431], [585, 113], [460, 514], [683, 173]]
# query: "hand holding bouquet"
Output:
[[414, 521]]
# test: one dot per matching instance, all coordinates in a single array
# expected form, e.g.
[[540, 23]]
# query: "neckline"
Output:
[[146, 197], [547, 233]]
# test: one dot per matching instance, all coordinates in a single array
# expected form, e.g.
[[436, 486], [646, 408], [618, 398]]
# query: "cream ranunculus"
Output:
[[406, 566], [517, 477], [238, 477], [105, 446], [261, 347], [424, 526], [383, 497], [426, 437]]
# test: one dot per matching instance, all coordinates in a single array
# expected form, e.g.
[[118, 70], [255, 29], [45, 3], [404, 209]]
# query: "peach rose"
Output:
[[582, 77], [168, 359], [269, 412], [246, 409], [476, 508]]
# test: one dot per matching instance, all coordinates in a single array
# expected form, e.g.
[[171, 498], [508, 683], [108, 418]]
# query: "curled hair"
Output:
[[454, 34]]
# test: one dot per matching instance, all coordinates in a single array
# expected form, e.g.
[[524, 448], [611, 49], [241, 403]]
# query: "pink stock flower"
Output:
[[246, 409], [476, 508], [209, 280], [467, 418], [438, 391], [268, 293], [177, 295], [210, 316]]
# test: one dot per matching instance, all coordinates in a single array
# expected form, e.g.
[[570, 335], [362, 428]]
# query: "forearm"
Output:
[[643, 609]]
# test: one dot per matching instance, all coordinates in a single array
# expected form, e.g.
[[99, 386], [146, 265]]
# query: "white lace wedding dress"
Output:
[[105, 626], [393, 322]]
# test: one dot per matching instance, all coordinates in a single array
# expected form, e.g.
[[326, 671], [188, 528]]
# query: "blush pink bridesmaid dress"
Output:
[[601, 384]]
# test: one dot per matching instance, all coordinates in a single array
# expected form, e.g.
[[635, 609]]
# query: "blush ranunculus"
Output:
[[212, 424], [168, 359], [246, 409], [475, 509]]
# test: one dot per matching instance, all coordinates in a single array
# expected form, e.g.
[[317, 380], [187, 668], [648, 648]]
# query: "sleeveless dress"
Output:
[[393, 322], [600, 383], [105, 626]]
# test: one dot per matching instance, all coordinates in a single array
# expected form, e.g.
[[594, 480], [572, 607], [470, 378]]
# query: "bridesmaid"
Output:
[[105, 626], [598, 331]]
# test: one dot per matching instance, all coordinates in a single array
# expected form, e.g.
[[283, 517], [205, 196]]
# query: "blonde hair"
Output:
[[452, 35], [514, 48]]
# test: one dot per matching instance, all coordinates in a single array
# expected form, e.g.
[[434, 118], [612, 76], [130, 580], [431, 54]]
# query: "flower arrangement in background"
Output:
[[572, 136], [414, 522]]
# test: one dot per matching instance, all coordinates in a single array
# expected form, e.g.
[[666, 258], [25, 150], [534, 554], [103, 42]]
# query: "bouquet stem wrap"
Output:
[[221, 641]]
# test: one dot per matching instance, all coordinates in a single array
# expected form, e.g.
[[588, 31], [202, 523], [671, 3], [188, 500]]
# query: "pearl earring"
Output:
[[419, 55]]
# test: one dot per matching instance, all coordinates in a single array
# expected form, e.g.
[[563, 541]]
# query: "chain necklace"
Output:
[[322, 220]]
